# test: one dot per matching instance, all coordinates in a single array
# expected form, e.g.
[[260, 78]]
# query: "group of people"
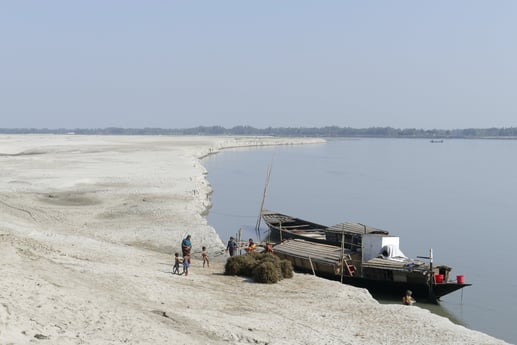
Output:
[[186, 248], [232, 246]]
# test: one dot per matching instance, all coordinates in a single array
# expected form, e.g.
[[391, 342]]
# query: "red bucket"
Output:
[[438, 278], [460, 279]]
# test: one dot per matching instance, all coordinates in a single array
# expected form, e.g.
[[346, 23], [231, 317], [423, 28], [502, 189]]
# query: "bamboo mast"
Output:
[[342, 252], [257, 226]]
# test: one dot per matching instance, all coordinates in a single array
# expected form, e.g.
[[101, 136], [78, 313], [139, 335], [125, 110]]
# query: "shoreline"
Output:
[[87, 231]]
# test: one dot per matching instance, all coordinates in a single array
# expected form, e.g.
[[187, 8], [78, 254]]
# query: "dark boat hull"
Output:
[[282, 227], [385, 278], [420, 291], [432, 293]]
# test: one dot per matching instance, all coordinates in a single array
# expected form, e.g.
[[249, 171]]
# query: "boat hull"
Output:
[[327, 261], [282, 227], [431, 293]]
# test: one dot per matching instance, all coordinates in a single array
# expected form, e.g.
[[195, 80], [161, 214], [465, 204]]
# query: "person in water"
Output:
[[408, 298]]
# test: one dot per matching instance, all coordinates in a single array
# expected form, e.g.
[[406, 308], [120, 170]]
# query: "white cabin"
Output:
[[373, 244]]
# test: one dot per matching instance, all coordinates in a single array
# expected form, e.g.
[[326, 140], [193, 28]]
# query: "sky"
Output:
[[180, 64]]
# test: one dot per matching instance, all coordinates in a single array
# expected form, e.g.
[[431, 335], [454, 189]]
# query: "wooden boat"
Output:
[[283, 227], [362, 256]]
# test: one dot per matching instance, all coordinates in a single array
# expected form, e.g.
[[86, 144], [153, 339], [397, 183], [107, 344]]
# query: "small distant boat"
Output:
[[437, 141], [359, 255]]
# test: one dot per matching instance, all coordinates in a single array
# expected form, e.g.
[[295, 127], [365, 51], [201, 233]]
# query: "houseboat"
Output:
[[361, 256]]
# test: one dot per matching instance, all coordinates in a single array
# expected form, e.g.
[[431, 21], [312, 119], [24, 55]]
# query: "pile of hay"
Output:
[[262, 267]]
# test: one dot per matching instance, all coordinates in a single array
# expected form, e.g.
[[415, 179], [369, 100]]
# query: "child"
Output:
[[408, 299], [186, 264], [177, 261], [205, 257]]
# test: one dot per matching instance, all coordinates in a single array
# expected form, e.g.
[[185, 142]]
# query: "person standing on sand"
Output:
[[186, 264], [186, 247], [177, 261], [205, 257], [231, 247]]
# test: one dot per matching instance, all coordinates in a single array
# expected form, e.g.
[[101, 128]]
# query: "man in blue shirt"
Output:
[[231, 247]]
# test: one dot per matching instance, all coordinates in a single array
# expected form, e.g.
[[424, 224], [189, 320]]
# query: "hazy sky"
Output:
[[178, 64]]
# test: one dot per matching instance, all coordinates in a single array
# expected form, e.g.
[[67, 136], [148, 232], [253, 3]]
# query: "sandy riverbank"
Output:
[[87, 227]]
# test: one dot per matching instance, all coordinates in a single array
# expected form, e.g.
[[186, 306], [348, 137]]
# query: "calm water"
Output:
[[457, 197]]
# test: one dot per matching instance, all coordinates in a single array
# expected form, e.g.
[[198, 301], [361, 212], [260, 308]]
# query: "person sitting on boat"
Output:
[[251, 246], [408, 298]]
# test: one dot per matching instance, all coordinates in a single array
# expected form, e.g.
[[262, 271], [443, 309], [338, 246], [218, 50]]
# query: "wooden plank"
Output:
[[355, 228], [316, 251]]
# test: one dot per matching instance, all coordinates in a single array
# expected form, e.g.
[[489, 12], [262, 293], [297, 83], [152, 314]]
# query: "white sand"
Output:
[[87, 227]]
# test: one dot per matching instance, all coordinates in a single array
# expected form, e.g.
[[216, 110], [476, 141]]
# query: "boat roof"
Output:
[[330, 254], [305, 249], [394, 265], [280, 218], [356, 228]]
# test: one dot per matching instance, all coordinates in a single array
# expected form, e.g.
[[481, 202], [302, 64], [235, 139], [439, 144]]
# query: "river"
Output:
[[457, 197]]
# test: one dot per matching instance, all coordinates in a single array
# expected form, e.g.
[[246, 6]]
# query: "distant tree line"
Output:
[[324, 132]]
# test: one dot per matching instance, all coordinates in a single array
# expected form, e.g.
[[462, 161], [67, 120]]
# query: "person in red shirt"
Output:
[[251, 246]]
